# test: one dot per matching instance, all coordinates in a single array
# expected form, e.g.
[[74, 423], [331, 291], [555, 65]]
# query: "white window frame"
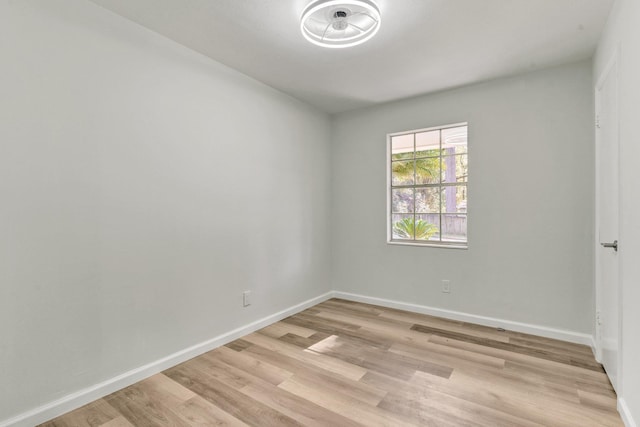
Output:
[[388, 166]]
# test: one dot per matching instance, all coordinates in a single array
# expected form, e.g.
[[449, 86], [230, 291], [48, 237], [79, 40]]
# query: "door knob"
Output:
[[613, 245]]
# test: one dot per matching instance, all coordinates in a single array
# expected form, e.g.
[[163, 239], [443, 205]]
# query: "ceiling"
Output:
[[423, 46]]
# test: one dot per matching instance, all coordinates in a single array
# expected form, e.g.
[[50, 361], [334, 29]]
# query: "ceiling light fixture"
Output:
[[340, 23]]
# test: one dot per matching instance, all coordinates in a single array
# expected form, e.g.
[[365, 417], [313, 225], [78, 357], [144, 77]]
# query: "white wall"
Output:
[[531, 201], [623, 32], [143, 187]]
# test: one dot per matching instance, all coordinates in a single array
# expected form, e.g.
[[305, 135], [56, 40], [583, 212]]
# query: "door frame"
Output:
[[614, 61]]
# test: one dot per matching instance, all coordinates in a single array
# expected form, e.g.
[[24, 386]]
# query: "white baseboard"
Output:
[[543, 331], [594, 349], [82, 397], [625, 413]]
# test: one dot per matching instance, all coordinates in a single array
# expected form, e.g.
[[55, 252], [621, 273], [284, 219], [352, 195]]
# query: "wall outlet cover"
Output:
[[246, 298], [446, 286]]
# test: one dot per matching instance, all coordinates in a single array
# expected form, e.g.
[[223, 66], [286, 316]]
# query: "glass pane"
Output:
[[455, 169], [461, 149], [428, 143], [454, 199], [428, 227], [402, 173], [449, 168], [428, 200], [454, 228], [402, 200], [449, 151], [402, 147], [402, 226], [428, 171], [455, 137], [462, 168]]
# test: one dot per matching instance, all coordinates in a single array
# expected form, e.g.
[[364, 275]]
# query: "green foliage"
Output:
[[402, 156], [404, 229], [426, 170]]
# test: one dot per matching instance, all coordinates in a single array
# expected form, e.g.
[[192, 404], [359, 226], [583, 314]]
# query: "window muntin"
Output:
[[428, 179]]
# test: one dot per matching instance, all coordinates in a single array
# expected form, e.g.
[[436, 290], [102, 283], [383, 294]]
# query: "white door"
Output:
[[607, 207]]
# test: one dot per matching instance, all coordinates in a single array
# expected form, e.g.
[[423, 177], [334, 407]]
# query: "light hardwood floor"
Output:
[[342, 363]]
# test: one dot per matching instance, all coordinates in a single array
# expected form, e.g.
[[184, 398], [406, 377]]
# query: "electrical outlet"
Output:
[[246, 298], [446, 286]]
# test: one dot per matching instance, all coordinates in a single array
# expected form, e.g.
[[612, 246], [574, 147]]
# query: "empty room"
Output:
[[319, 213]]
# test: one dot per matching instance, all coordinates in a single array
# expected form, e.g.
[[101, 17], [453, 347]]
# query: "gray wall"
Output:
[[531, 202], [623, 32], [143, 187]]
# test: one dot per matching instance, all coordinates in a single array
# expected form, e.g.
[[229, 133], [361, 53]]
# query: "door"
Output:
[[607, 207]]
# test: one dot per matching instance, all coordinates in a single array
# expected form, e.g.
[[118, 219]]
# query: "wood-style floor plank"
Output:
[[343, 363], [423, 401], [199, 412], [97, 413], [117, 422], [296, 407], [252, 365], [228, 399]]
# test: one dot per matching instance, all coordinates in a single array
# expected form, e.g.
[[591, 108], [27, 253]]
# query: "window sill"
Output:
[[428, 245]]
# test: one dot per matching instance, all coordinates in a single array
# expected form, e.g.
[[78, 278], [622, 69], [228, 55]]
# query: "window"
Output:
[[427, 182]]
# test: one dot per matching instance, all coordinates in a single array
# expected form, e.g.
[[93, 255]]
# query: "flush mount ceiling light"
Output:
[[340, 23]]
